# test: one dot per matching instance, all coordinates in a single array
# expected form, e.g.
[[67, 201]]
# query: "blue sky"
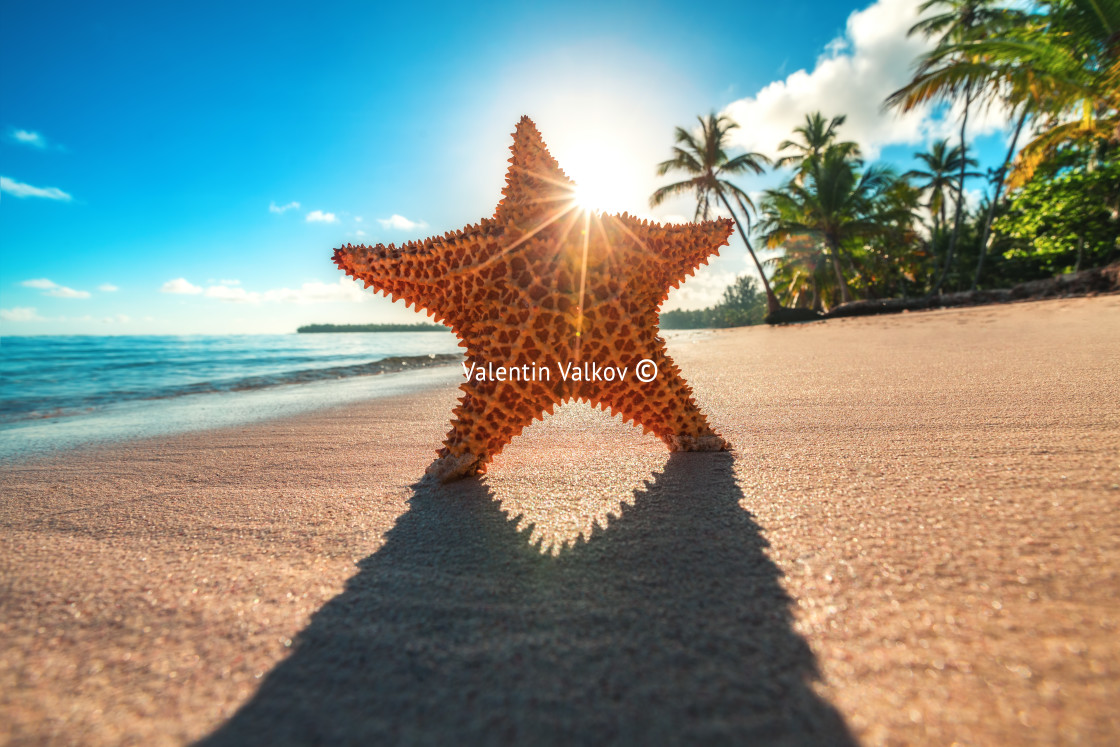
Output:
[[189, 167]]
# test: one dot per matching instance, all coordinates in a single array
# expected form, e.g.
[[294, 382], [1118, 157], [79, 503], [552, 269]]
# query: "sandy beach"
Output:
[[915, 541]]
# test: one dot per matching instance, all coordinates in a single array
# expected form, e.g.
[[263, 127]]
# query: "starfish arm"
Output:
[[686, 247], [379, 267], [534, 178], [665, 407], [679, 249], [425, 273], [490, 414]]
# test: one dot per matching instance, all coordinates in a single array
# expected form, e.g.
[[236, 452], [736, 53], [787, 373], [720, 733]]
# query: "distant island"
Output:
[[418, 327]]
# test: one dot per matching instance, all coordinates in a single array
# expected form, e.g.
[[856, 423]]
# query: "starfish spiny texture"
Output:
[[542, 285]]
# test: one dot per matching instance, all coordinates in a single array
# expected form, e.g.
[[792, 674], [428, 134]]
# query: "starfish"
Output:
[[542, 295]]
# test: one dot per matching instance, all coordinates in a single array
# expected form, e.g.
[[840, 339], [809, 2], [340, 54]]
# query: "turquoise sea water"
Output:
[[57, 392]]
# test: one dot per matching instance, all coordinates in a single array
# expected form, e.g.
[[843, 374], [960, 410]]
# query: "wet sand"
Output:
[[916, 540]]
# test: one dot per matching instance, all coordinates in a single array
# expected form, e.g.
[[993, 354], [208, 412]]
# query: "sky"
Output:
[[188, 168]]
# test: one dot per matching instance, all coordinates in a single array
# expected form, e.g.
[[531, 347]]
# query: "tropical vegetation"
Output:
[[742, 305], [840, 228]]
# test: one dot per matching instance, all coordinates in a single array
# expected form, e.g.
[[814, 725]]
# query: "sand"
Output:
[[916, 540]]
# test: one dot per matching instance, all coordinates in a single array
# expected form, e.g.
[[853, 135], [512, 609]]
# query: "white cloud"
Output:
[[359, 232], [973, 198], [358, 219], [702, 290], [280, 209], [318, 216], [180, 286], [856, 73], [89, 318], [51, 288], [64, 292], [108, 288], [400, 223], [29, 137], [20, 314], [228, 293], [345, 290], [19, 189]]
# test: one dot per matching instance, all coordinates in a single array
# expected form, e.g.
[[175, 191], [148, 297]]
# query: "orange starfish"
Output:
[[548, 299]]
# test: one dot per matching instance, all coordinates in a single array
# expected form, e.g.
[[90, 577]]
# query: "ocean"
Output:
[[60, 392]]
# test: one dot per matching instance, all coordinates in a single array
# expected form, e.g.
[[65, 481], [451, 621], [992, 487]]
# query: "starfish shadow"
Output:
[[668, 626]]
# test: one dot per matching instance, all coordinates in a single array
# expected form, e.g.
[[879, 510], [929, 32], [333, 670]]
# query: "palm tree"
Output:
[[950, 66], [896, 257], [816, 135], [997, 192], [1083, 81], [834, 205], [957, 22], [941, 162], [1060, 64], [801, 274], [705, 160], [944, 166]]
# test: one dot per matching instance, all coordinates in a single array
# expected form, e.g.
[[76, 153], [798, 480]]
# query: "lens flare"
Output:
[[603, 181]]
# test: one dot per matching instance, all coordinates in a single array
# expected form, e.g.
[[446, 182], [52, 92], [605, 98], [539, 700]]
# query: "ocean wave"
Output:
[[20, 410]]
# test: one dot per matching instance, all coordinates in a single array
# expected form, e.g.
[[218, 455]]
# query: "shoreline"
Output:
[[314, 389], [1084, 284], [915, 540], [149, 418]]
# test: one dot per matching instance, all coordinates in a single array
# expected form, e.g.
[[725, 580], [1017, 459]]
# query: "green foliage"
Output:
[[743, 304], [418, 327], [1064, 221], [961, 270], [836, 213], [802, 275]]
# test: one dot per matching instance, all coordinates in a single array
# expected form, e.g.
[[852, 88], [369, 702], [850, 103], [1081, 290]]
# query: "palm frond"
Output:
[[671, 190], [682, 160], [755, 162]]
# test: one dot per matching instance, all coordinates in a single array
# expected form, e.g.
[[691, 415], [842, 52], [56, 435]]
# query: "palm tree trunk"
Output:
[[960, 194], [1002, 174], [938, 225], [771, 300], [834, 250]]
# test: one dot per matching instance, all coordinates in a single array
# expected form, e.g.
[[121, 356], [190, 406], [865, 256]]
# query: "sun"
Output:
[[604, 180], [591, 197]]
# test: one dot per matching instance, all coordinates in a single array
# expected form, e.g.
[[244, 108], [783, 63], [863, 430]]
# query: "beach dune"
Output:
[[915, 540]]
